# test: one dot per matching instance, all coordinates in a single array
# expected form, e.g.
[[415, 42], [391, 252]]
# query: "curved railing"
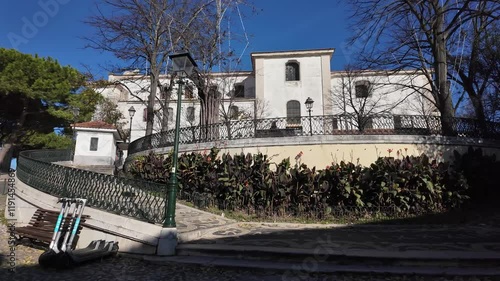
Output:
[[139, 199], [321, 125]]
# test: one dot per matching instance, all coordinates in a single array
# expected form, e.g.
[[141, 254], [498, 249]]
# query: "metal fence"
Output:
[[345, 124], [139, 199]]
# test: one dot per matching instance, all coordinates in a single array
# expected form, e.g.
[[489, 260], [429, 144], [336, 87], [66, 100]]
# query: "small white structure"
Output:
[[95, 144]]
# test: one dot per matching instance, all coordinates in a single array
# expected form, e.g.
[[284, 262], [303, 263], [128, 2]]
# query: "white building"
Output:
[[278, 86], [95, 144]]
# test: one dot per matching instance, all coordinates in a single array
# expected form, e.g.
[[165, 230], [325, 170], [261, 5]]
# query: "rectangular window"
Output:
[[190, 114], [361, 91], [145, 114], [170, 114], [335, 124], [233, 112], [292, 71], [398, 123], [239, 91], [367, 123], [93, 144]]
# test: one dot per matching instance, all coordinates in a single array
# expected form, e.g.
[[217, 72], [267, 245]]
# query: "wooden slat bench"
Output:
[[41, 227]]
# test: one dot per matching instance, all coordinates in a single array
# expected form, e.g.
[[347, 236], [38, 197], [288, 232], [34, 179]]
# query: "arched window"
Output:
[[239, 91], [190, 114], [163, 92], [123, 95], [292, 71], [188, 92], [233, 112], [293, 112]]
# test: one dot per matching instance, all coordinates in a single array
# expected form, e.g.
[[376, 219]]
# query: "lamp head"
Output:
[[131, 112], [183, 64], [309, 103]]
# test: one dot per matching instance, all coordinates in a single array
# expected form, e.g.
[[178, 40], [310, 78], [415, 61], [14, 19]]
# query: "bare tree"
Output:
[[476, 68], [361, 95], [136, 32], [145, 32], [407, 34], [107, 111], [206, 46]]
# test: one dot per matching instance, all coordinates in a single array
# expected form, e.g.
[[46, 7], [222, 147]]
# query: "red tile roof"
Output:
[[95, 125]]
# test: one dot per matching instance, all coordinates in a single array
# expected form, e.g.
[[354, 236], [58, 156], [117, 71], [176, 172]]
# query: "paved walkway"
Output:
[[123, 268], [198, 229], [435, 241], [193, 223]]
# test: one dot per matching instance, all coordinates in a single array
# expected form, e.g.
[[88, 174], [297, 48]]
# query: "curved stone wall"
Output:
[[321, 151]]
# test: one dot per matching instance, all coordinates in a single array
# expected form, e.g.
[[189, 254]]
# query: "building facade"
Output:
[[277, 86]]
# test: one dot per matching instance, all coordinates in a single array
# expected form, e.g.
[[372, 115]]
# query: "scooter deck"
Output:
[[95, 250]]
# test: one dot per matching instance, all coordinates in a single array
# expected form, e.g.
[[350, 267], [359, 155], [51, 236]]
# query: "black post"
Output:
[[130, 131], [310, 123]]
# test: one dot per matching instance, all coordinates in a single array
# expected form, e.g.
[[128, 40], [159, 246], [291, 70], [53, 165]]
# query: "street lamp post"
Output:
[[76, 112], [183, 65], [309, 104], [131, 113]]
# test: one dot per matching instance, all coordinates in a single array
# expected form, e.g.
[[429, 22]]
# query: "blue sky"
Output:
[[54, 28]]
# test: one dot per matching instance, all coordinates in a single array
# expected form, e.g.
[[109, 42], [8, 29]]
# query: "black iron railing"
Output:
[[345, 124], [139, 199]]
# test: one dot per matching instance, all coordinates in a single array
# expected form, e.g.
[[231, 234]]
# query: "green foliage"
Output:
[[50, 141], [35, 94], [410, 185], [414, 184], [109, 112], [481, 172]]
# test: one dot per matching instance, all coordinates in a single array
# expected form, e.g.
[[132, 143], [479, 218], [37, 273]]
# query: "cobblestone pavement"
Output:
[[192, 220], [477, 239], [228, 232], [125, 268]]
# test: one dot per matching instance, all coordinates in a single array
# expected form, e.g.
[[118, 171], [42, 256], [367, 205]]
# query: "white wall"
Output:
[[392, 94], [278, 91], [106, 148], [268, 85]]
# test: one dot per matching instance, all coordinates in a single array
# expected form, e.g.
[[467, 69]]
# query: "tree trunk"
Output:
[[9, 145], [444, 97], [153, 79], [164, 121], [477, 104], [5, 157], [209, 115]]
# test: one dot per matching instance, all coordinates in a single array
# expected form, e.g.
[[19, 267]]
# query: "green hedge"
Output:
[[252, 183]]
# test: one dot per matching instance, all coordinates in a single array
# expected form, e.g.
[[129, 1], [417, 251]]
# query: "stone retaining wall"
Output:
[[321, 151]]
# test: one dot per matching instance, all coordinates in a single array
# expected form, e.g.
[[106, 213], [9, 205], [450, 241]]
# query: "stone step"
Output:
[[328, 260]]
